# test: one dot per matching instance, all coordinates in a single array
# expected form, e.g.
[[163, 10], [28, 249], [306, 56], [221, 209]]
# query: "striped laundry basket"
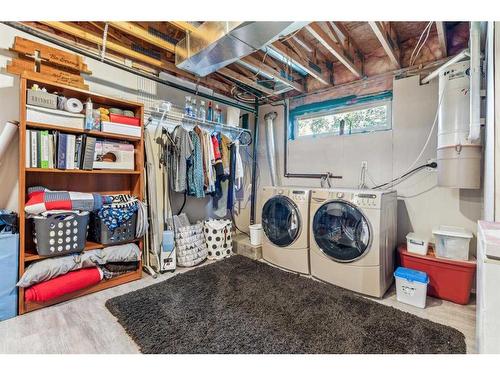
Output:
[[190, 245]]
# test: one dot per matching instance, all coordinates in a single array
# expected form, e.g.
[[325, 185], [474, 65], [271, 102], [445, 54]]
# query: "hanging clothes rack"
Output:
[[170, 115]]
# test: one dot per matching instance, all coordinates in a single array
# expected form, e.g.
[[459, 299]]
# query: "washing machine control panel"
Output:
[[365, 200], [298, 195]]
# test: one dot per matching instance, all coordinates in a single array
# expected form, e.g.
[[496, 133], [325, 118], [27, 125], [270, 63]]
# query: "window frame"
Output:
[[339, 106]]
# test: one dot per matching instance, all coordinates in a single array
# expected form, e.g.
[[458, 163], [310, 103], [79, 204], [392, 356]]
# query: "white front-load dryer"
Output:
[[285, 222], [353, 238]]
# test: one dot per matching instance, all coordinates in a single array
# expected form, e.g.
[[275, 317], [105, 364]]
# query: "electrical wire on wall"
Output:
[[404, 176], [431, 131], [419, 45]]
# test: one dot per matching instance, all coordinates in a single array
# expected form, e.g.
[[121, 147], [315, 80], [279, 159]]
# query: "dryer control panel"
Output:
[[365, 200]]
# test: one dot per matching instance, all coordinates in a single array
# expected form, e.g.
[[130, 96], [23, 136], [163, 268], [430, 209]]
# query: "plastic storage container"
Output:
[[9, 256], [126, 120], [452, 242], [417, 244], [450, 280], [55, 117], [255, 234], [99, 232], [411, 286], [60, 233], [41, 99]]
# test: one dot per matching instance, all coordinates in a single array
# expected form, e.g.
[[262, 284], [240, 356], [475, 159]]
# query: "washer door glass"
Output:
[[281, 221], [341, 231]]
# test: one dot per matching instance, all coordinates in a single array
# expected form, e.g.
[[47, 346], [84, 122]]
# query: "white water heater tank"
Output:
[[459, 159]]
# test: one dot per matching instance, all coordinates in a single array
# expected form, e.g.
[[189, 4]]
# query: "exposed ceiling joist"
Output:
[[296, 47], [332, 33], [441, 31], [388, 41], [334, 48], [139, 32], [347, 36], [184, 26], [92, 38], [162, 65], [260, 66], [303, 44], [293, 57], [245, 80]]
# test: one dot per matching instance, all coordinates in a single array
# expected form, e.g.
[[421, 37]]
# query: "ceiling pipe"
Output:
[[475, 81], [216, 44], [271, 149], [434, 74], [107, 61]]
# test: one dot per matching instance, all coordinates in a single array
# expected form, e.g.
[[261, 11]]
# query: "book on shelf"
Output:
[[28, 149], [70, 152], [44, 149], [88, 147], [34, 152], [61, 150], [53, 149]]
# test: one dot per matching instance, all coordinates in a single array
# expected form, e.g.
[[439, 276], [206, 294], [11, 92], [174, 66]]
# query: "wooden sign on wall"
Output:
[[47, 62]]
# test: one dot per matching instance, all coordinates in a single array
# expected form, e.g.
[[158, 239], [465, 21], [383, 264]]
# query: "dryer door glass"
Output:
[[281, 220], [341, 231]]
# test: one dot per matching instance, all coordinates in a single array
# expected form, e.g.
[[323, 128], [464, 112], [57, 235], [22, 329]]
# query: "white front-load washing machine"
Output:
[[285, 222], [353, 238]]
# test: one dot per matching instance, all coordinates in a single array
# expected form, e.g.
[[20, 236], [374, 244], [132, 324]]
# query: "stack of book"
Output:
[[53, 149]]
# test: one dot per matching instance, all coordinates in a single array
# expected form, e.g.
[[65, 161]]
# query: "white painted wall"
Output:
[[422, 205]]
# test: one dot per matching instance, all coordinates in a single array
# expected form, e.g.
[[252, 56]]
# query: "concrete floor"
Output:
[[84, 325]]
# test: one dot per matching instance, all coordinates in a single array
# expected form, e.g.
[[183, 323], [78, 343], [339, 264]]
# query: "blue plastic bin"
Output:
[[9, 264]]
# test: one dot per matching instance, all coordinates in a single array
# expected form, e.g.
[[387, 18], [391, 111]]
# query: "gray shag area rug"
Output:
[[243, 306]]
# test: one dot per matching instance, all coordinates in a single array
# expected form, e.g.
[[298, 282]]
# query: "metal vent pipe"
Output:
[[271, 149]]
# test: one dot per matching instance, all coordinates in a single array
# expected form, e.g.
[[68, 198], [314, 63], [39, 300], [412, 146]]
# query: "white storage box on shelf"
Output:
[[116, 128], [41, 99], [54, 117], [452, 242], [411, 286], [416, 244]]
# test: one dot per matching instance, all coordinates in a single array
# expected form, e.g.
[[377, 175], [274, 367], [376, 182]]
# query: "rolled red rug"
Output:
[[61, 285]]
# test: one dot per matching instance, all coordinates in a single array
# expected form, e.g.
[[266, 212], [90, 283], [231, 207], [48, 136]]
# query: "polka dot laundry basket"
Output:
[[218, 238]]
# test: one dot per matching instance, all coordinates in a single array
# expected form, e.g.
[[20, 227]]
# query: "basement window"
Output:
[[344, 117]]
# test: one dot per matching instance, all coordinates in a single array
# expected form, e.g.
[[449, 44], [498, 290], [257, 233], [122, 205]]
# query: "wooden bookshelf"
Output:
[[97, 180]]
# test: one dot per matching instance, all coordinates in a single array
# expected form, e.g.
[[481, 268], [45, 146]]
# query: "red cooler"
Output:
[[449, 279]]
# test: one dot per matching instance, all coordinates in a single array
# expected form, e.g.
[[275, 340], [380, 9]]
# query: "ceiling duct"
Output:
[[217, 44]]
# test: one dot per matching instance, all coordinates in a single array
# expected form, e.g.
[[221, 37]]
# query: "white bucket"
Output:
[[255, 234]]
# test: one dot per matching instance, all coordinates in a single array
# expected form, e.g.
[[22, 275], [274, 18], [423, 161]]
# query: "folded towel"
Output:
[[121, 266], [114, 269]]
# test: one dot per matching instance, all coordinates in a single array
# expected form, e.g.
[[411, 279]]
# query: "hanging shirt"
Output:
[[201, 137], [212, 175], [215, 146], [225, 144], [182, 152], [195, 170], [238, 171]]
